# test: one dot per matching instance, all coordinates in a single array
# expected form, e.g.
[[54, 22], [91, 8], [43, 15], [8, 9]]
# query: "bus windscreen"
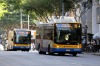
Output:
[[23, 37], [67, 33]]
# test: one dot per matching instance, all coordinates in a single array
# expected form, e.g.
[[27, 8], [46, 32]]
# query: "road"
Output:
[[18, 58]]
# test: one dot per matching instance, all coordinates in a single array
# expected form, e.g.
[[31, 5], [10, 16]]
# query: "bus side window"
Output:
[[50, 36], [12, 39], [38, 36], [45, 36]]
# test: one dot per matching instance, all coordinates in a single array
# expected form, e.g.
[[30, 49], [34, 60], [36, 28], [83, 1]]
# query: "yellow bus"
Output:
[[19, 39], [61, 38]]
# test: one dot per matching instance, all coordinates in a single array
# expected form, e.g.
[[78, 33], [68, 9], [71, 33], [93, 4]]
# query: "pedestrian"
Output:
[[33, 46], [1, 46]]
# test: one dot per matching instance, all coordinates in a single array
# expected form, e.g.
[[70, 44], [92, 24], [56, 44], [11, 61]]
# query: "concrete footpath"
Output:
[[97, 53]]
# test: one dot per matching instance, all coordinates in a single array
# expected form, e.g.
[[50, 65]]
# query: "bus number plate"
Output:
[[67, 50]]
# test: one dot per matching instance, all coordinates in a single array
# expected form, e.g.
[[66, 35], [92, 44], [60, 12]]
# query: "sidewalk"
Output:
[[97, 53]]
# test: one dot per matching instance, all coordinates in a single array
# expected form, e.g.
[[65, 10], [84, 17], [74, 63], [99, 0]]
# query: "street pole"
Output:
[[86, 35], [28, 22], [21, 18], [62, 9]]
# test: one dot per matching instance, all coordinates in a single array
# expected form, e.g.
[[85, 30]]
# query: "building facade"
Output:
[[95, 16], [91, 16]]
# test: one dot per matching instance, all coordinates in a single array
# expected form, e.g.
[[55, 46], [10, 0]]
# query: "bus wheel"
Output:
[[49, 52], [74, 54], [39, 50]]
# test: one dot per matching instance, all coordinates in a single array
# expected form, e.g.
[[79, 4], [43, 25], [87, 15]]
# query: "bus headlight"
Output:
[[78, 46], [28, 45], [57, 46]]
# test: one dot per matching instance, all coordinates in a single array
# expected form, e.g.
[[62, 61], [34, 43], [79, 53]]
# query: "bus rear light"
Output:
[[57, 46]]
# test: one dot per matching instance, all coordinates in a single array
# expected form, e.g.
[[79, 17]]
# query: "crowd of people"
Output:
[[92, 44]]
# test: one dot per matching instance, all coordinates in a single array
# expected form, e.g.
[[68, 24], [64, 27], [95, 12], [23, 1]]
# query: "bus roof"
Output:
[[51, 24], [65, 19], [44, 24], [61, 20]]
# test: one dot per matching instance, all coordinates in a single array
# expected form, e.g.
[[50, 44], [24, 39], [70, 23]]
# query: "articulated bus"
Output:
[[61, 38], [19, 39]]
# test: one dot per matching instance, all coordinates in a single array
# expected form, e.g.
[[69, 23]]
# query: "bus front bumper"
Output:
[[21, 48], [66, 50]]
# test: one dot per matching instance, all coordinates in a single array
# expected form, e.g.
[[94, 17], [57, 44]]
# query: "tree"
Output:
[[76, 6], [46, 8], [2, 8], [11, 18], [38, 9]]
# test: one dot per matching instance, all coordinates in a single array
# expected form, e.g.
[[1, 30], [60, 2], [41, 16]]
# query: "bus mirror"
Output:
[[12, 39]]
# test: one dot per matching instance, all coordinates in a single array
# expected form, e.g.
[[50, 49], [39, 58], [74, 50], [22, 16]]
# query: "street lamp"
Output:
[[86, 35]]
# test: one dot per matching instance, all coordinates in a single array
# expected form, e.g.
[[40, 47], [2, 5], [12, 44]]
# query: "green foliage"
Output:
[[45, 8], [2, 8], [37, 9]]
